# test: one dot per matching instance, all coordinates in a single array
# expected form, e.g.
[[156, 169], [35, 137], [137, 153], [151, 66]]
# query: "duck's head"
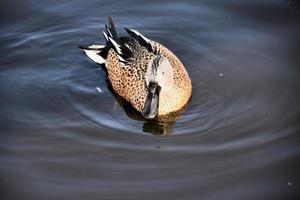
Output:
[[160, 86]]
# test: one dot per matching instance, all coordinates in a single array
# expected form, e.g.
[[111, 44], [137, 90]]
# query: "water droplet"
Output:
[[98, 89]]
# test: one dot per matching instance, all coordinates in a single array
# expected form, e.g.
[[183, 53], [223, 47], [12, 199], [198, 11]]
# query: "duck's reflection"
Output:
[[158, 128]]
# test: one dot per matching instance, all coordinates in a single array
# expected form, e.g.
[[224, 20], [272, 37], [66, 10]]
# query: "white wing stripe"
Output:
[[96, 46], [115, 45], [105, 35], [109, 33], [93, 54]]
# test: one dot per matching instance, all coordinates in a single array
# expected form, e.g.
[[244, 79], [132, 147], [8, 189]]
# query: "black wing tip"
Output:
[[130, 32], [84, 47], [140, 38], [111, 29]]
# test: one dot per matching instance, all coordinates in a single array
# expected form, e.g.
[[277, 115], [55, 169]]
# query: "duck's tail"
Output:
[[98, 53]]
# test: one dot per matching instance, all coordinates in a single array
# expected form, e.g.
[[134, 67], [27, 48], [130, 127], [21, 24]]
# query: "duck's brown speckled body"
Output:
[[144, 72]]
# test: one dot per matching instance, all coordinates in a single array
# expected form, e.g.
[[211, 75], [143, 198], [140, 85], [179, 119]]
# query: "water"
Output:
[[65, 135]]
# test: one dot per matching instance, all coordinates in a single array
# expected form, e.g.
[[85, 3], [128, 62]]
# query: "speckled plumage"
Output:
[[127, 75]]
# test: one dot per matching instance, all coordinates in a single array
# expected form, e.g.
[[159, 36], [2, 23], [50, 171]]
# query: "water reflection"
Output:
[[158, 128]]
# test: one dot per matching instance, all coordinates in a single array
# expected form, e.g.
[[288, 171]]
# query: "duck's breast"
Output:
[[172, 101]]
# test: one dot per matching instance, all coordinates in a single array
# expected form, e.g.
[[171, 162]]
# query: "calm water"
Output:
[[62, 138]]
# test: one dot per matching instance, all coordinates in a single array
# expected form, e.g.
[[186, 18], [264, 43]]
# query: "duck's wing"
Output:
[[143, 41], [98, 53], [113, 41]]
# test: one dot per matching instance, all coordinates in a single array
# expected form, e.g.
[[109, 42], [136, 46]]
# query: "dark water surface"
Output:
[[61, 138]]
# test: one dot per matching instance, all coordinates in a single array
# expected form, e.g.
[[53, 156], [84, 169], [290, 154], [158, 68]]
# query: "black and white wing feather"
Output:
[[95, 52], [143, 41], [113, 41]]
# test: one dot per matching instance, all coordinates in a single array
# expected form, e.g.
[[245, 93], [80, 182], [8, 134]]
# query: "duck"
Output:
[[142, 71]]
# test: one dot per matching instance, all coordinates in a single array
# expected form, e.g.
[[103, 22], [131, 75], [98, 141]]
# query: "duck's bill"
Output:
[[152, 101]]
